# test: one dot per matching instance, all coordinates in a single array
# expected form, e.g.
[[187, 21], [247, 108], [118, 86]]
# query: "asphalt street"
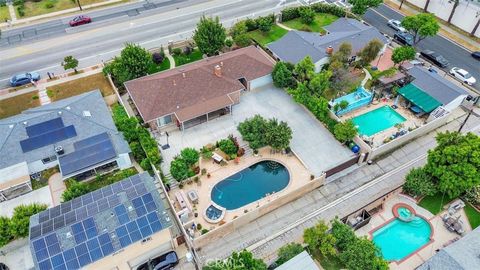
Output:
[[92, 44], [456, 55]]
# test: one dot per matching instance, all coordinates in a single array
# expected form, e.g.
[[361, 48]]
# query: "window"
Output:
[[162, 121], [49, 159]]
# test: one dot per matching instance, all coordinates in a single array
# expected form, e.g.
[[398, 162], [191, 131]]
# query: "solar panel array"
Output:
[[95, 225], [88, 152], [46, 133]]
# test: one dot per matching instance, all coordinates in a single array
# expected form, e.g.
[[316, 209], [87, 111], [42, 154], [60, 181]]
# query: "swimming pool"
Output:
[[250, 184], [361, 97], [398, 239], [377, 120]]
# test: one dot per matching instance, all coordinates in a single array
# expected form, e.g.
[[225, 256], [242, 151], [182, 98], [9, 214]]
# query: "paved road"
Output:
[[346, 194], [456, 55], [91, 44]]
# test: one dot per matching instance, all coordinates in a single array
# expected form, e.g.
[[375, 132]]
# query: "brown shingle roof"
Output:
[[182, 88]]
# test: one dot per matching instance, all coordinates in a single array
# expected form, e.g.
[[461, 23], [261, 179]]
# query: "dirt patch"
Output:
[[79, 86]]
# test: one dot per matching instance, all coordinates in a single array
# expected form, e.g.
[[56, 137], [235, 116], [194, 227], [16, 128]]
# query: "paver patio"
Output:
[[312, 142]]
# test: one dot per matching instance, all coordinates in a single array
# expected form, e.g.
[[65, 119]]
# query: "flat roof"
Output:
[[302, 261]]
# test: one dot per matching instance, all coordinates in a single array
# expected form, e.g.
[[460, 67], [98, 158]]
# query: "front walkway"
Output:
[[57, 187]]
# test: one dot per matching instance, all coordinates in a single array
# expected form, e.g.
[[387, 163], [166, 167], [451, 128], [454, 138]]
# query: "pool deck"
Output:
[[299, 176], [378, 139], [441, 236]]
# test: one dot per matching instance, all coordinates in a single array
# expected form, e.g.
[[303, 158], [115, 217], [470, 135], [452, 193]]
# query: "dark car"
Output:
[[79, 20], [24, 78], [163, 262], [476, 55], [404, 38], [435, 58]]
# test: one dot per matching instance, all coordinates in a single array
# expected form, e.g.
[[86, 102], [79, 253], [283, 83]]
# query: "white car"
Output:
[[462, 75], [397, 25]]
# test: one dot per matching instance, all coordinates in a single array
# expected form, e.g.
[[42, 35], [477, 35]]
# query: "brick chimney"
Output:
[[329, 50], [217, 70]]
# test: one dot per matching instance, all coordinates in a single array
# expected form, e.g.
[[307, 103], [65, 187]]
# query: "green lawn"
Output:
[[4, 14], [434, 203], [183, 59], [264, 38], [321, 20], [39, 8], [473, 216], [157, 68]]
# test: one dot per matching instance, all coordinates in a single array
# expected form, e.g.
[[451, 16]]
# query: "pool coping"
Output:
[[396, 206], [244, 167], [386, 105]]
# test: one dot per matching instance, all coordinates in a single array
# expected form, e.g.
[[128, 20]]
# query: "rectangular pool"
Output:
[[377, 120]]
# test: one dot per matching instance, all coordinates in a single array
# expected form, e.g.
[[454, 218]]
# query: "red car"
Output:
[[79, 20]]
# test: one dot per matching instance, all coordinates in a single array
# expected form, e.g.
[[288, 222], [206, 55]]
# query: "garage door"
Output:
[[262, 81]]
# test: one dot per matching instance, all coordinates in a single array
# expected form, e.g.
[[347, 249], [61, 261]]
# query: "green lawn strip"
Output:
[[17, 104], [434, 204], [4, 14], [42, 7], [183, 59], [321, 20], [109, 178], [161, 67], [264, 38], [473, 216]]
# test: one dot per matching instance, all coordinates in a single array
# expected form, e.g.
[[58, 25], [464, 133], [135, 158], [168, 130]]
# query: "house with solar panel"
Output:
[[119, 226], [77, 134]]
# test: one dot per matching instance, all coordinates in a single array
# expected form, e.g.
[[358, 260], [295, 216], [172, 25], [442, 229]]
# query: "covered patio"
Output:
[[204, 112], [421, 102]]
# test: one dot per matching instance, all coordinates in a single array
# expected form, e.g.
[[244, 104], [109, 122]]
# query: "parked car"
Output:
[[24, 78], [79, 20], [476, 55], [162, 262], [462, 75], [404, 38], [397, 25], [435, 58]]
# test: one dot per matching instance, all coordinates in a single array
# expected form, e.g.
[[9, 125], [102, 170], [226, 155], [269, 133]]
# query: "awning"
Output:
[[202, 108], [415, 95]]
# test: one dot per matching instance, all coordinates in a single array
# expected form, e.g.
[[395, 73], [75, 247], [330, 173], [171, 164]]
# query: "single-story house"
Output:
[[120, 226], [199, 91], [76, 133], [296, 45], [429, 90], [463, 254]]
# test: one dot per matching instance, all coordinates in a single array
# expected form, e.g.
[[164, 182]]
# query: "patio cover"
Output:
[[415, 95], [202, 108]]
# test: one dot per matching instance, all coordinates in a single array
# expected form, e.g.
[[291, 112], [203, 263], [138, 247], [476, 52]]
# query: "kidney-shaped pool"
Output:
[[250, 184]]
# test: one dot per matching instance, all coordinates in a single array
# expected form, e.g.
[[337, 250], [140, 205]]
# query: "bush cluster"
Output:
[[295, 12], [259, 132], [18, 226], [185, 165], [260, 23]]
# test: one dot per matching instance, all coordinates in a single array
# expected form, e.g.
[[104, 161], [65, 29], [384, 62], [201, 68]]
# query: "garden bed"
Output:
[[264, 38], [17, 104], [321, 20], [79, 86], [159, 67]]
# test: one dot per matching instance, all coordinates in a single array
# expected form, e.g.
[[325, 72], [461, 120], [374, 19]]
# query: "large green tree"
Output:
[[421, 26], [133, 62], [288, 251], [282, 76], [190, 156], [360, 6], [419, 183], [362, 254], [320, 82], [455, 162], [345, 131], [242, 260], [403, 53], [179, 169], [210, 35], [370, 51], [343, 234], [278, 134], [318, 238], [253, 131], [343, 53], [305, 69], [307, 14]]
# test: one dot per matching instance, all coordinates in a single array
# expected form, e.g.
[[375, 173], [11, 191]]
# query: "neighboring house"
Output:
[[76, 133], [428, 91], [463, 254], [302, 261], [197, 92], [119, 226], [296, 45]]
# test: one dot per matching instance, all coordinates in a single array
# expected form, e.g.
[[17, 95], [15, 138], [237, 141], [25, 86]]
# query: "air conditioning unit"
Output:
[[59, 150]]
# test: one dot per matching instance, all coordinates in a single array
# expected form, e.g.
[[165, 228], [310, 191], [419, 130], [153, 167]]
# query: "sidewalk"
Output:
[[445, 31]]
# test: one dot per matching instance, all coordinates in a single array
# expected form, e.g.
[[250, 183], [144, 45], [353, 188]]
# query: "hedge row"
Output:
[[18, 226], [294, 12], [252, 24]]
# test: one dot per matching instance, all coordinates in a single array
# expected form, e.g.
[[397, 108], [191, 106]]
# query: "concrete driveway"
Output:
[[312, 142]]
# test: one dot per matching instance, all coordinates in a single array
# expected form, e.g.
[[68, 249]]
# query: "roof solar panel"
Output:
[[73, 264], [113, 201], [44, 127], [140, 189], [96, 254], [41, 254], [48, 138], [45, 265], [51, 239], [93, 244], [93, 140], [39, 244], [66, 207], [54, 249], [84, 259], [35, 231]]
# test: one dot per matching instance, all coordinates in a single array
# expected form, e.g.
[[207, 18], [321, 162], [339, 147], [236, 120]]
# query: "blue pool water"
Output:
[[357, 99], [399, 239], [250, 184], [377, 120], [213, 213]]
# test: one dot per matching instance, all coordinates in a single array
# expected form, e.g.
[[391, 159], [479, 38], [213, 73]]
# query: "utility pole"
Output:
[[469, 113], [79, 5]]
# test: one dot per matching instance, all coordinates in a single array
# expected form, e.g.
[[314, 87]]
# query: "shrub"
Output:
[[419, 183], [74, 189], [158, 57], [199, 226], [49, 4], [282, 76], [227, 146], [2, 4], [190, 156], [18, 2], [288, 251], [243, 40], [473, 195], [179, 169], [307, 15], [290, 13], [251, 24], [5, 233], [345, 131], [21, 10], [177, 51], [137, 151], [229, 42], [20, 221], [264, 24], [343, 234], [330, 9], [204, 231]]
